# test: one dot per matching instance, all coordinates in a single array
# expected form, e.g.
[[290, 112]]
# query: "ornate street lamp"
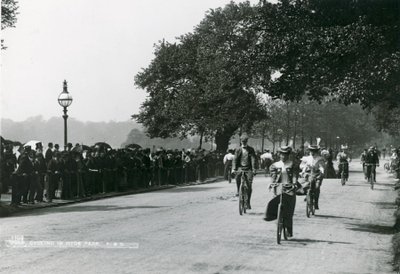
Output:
[[65, 100]]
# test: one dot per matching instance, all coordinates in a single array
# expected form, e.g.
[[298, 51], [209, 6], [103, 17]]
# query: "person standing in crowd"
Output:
[[9, 164], [228, 159], [23, 176], [244, 161], [69, 147], [49, 153], [53, 171], [37, 183], [56, 148]]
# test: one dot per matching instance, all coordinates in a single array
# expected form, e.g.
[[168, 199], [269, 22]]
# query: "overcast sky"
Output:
[[98, 46]]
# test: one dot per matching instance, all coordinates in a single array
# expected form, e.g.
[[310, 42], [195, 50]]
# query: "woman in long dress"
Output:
[[284, 182]]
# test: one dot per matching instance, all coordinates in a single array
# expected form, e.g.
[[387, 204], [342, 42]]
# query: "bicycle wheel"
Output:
[[241, 205], [343, 179], [371, 180], [244, 200], [308, 203], [312, 204], [279, 224], [285, 234]]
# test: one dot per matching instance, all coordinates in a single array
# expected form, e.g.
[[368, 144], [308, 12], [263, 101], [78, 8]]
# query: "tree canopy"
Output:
[[8, 15], [209, 82]]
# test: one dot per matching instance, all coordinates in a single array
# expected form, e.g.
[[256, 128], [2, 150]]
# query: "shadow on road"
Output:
[[190, 189], [370, 228], [335, 217], [383, 184], [311, 241], [385, 205], [84, 208], [255, 213]]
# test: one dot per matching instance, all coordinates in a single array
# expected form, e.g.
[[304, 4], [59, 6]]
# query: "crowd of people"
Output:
[[38, 175]]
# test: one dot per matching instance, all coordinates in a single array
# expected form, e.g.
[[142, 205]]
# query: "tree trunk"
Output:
[[295, 132], [262, 140], [287, 124], [201, 139], [222, 138]]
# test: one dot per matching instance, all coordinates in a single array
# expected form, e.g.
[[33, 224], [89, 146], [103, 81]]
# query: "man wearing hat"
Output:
[[244, 160], [316, 165]]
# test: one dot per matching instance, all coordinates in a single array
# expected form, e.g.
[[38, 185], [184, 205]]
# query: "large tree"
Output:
[[207, 83], [202, 84], [346, 50], [8, 16]]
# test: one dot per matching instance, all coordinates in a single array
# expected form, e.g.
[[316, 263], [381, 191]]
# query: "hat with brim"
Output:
[[285, 149], [313, 148]]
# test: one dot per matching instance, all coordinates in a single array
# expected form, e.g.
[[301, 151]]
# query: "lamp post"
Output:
[[65, 100]]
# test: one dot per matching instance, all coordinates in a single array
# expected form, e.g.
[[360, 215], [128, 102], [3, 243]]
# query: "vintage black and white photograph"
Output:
[[200, 136]]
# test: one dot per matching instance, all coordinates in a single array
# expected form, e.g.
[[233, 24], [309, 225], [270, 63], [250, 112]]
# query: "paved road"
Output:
[[198, 229]]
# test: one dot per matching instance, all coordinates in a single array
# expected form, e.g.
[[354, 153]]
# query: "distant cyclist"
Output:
[[315, 166], [266, 160], [343, 158], [371, 162], [363, 157], [244, 160]]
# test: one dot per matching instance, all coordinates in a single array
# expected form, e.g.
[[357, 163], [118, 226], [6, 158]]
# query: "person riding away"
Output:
[[343, 158], [314, 164], [244, 160], [267, 160], [284, 182], [363, 157], [371, 161]]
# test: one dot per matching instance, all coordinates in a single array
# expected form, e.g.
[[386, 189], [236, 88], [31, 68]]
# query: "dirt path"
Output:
[[198, 230]]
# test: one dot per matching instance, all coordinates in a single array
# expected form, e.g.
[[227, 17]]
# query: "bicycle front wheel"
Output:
[[371, 181], [279, 224], [343, 179], [241, 203]]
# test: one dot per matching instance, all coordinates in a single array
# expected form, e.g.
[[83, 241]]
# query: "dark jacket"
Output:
[[238, 157]]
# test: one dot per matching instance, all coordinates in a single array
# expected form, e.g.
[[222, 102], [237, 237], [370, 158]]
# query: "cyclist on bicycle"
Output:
[[371, 161], [343, 158], [244, 161], [284, 182], [315, 166], [266, 160], [363, 156]]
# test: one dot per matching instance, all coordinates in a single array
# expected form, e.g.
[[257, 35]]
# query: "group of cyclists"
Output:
[[292, 175]]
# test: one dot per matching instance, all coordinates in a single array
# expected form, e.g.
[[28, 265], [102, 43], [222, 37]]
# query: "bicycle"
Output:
[[243, 194], [281, 227], [371, 174], [343, 175], [280, 220]]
